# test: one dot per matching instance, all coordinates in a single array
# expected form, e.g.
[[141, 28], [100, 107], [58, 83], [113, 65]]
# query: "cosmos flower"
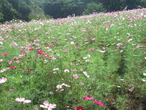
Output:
[[85, 39], [88, 97], [93, 38], [22, 100], [47, 105], [103, 48], [42, 52], [5, 54], [66, 71], [79, 108], [1, 60], [3, 70], [12, 67], [144, 74], [3, 80], [99, 103], [12, 61], [75, 76], [11, 90], [131, 89], [66, 50], [86, 74]]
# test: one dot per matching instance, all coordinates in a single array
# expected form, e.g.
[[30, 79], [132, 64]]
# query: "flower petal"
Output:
[[27, 101], [46, 103], [43, 106], [20, 99]]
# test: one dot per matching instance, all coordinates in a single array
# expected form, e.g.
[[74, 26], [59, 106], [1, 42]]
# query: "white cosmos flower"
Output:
[[86, 74], [47, 105], [66, 85], [1, 60], [3, 80], [59, 86], [144, 74], [22, 100], [66, 71]]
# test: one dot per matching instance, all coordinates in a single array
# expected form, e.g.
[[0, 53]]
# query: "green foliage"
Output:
[[36, 13], [94, 7]]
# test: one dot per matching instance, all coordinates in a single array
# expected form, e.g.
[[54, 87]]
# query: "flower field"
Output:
[[92, 62]]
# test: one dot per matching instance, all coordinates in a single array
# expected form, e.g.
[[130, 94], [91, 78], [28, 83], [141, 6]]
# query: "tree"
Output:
[[7, 11], [94, 7]]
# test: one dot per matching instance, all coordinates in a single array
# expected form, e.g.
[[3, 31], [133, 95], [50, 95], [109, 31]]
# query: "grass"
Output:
[[63, 60]]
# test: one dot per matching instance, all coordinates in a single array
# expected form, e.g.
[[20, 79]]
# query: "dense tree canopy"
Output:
[[40, 9]]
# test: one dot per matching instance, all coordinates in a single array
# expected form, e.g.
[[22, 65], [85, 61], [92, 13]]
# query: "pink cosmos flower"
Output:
[[49, 46], [99, 103], [37, 40], [53, 58], [22, 48], [47, 105], [11, 62], [3, 80], [91, 50], [22, 54], [93, 38], [22, 100], [88, 97], [3, 70], [131, 89], [11, 90], [103, 48], [35, 108], [65, 50], [76, 47], [75, 76], [29, 45], [85, 39], [5, 54], [99, 43], [31, 49], [14, 44], [108, 23], [54, 40]]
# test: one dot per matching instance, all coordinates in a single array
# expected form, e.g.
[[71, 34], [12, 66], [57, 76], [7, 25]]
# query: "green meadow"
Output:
[[91, 62]]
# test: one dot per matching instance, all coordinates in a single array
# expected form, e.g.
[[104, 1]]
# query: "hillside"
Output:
[[28, 10], [90, 62]]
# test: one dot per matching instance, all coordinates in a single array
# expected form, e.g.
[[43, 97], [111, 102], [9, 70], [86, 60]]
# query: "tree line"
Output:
[[42, 9]]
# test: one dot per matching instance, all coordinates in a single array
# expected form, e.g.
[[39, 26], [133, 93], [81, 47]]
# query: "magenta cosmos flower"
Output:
[[99, 103], [22, 100], [42, 52], [88, 97], [79, 108], [12, 67], [47, 105], [5, 54]]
